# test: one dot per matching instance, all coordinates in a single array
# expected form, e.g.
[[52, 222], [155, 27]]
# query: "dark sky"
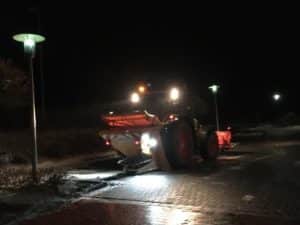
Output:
[[96, 53]]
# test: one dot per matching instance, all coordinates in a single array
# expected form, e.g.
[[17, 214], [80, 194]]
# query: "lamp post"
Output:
[[214, 88], [29, 41]]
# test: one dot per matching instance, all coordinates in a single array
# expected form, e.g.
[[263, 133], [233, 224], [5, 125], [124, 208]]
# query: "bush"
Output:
[[17, 144], [57, 143], [51, 143]]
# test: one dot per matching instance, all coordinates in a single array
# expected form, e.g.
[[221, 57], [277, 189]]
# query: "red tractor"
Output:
[[172, 141]]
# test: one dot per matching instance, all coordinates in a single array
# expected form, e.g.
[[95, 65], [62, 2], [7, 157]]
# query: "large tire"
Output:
[[209, 148], [178, 143]]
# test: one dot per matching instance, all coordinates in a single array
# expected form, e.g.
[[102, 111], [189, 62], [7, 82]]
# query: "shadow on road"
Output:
[[107, 164], [236, 153]]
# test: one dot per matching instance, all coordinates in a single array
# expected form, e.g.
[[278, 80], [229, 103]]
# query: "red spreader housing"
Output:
[[131, 120], [224, 139]]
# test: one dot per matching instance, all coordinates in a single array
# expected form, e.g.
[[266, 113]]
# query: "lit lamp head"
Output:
[[214, 88], [276, 97], [29, 41]]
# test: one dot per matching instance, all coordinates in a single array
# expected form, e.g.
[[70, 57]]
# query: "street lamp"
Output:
[[276, 97], [214, 88], [29, 41]]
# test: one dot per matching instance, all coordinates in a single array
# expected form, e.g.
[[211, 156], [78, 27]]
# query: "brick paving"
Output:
[[262, 183], [93, 212], [257, 185]]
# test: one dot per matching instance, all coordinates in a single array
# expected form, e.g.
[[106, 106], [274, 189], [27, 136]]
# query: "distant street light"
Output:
[[29, 41], [214, 88], [276, 97]]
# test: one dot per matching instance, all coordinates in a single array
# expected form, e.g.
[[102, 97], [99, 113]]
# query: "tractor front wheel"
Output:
[[178, 143]]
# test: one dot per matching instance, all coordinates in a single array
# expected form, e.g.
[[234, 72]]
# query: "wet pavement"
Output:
[[253, 184], [93, 212]]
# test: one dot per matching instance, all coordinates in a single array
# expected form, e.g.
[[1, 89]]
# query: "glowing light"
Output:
[[150, 181], [35, 37], [29, 40], [29, 43], [135, 98], [153, 142], [178, 217], [172, 117], [147, 143], [276, 97], [142, 89], [89, 175], [173, 216], [107, 142], [214, 88], [111, 113], [174, 94]]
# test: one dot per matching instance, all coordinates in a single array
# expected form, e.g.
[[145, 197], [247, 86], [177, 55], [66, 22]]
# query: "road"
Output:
[[256, 183]]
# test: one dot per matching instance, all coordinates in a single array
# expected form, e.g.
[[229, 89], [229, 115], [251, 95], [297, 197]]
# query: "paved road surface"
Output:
[[255, 184]]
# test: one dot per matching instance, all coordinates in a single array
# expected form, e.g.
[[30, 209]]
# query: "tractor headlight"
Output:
[[174, 94], [135, 98], [147, 143]]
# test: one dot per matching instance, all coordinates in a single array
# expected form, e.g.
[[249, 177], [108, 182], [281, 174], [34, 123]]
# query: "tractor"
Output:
[[169, 139]]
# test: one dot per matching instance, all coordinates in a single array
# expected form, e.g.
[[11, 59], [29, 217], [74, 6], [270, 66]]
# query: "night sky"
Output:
[[95, 54]]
